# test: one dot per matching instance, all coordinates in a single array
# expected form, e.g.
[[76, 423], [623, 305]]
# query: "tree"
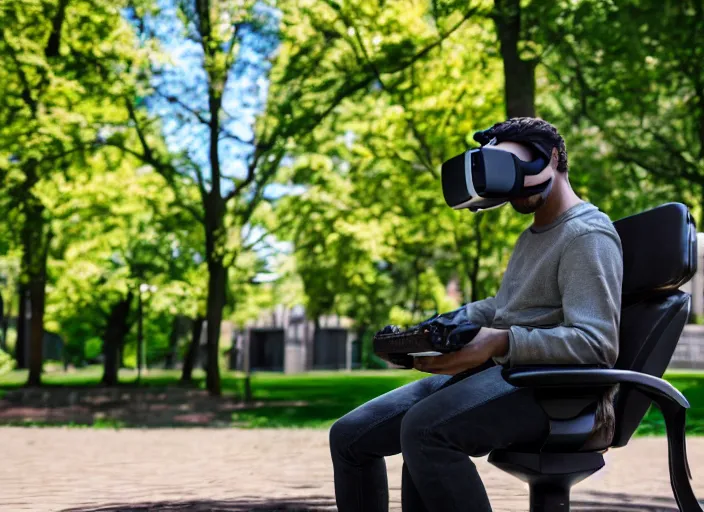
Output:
[[115, 230], [306, 85], [519, 69], [216, 32], [58, 67], [630, 75]]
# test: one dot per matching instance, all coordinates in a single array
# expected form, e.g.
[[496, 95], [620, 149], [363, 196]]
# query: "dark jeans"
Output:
[[436, 428]]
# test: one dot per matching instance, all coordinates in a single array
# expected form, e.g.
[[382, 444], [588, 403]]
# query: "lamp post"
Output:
[[141, 352]]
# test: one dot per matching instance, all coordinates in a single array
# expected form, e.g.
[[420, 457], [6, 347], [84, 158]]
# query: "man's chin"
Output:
[[527, 206]]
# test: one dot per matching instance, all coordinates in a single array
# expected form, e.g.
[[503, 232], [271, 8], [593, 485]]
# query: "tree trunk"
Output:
[[316, 338], [21, 343], [217, 281], [361, 331], [248, 396], [519, 74], [170, 360], [122, 357], [191, 354], [36, 238], [140, 335], [37, 291], [7, 313], [38, 251], [114, 339]]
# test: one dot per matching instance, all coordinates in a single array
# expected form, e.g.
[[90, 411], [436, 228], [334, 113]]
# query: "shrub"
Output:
[[7, 363]]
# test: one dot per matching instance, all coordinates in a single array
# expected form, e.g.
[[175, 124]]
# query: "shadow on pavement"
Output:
[[308, 504], [584, 502], [125, 407], [593, 501]]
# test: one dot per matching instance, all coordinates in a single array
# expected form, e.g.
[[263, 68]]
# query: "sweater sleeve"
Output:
[[590, 277], [481, 312]]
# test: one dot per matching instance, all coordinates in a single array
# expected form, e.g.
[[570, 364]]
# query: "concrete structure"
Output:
[[690, 349], [696, 285], [285, 340], [689, 352]]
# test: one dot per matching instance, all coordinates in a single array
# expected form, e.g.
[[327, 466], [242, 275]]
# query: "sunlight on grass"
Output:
[[316, 399], [91, 375]]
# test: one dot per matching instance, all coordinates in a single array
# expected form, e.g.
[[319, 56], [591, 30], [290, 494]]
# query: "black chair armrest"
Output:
[[670, 401], [565, 377]]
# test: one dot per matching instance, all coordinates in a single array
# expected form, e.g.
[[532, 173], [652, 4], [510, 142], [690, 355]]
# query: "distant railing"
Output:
[[690, 348]]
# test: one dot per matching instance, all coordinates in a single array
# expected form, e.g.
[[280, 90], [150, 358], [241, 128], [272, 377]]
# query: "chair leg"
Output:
[[550, 476], [551, 497]]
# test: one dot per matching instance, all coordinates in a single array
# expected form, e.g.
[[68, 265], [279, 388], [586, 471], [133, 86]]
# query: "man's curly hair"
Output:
[[527, 129]]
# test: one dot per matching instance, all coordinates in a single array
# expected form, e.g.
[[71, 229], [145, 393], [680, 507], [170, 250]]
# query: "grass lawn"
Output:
[[325, 396]]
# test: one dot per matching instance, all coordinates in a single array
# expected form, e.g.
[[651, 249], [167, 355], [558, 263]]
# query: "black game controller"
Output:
[[432, 337]]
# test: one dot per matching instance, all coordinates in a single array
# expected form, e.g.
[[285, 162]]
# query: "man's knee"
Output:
[[422, 431], [344, 436], [341, 435], [415, 429]]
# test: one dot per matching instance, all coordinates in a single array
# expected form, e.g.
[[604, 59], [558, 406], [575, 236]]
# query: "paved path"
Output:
[[90, 470]]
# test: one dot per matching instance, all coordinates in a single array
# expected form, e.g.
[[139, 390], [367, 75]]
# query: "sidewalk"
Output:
[[55, 469]]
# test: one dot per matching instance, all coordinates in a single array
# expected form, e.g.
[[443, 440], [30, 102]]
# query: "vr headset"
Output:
[[488, 177]]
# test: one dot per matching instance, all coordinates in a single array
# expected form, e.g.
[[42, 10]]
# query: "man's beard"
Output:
[[529, 204]]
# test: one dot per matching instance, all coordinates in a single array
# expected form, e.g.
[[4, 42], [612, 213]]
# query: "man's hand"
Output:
[[486, 344]]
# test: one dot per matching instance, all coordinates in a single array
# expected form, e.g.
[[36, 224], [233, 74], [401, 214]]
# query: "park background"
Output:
[[249, 186], [209, 206]]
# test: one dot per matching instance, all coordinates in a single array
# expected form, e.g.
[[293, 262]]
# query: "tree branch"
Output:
[[428, 160], [439, 41], [52, 45], [26, 89], [199, 116], [166, 170], [259, 188], [629, 157]]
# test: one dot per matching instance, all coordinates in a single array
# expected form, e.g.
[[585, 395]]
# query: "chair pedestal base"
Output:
[[549, 498], [550, 475]]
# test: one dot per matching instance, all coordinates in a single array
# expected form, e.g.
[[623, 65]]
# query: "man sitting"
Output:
[[559, 303]]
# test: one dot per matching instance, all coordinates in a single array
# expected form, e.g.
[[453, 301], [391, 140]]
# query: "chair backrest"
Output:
[[659, 256]]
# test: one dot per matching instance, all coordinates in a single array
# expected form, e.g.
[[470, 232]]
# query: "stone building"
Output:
[[690, 348], [285, 340]]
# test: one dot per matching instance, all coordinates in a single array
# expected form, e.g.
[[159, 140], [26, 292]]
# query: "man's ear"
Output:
[[554, 158]]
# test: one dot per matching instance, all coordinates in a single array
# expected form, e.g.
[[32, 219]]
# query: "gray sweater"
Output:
[[560, 297]]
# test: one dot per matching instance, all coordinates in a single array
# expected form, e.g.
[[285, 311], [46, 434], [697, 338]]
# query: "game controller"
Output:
[[427, 339]]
